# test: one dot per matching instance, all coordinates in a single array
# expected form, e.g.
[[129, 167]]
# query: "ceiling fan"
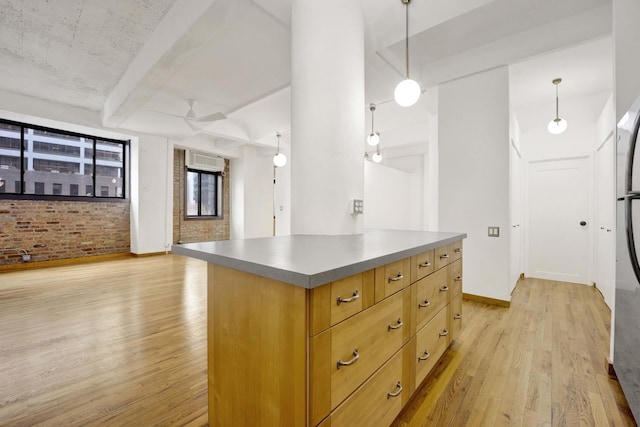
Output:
[[192, 120]]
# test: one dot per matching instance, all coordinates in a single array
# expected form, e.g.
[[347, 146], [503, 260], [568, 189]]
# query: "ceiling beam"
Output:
[[189, 25]]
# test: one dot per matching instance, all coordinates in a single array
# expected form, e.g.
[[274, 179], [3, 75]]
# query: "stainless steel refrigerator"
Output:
[[626, 353]]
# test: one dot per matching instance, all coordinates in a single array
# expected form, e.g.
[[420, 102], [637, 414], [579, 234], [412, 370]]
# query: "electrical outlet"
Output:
[[26, 257], [358, 206], [494, 231]]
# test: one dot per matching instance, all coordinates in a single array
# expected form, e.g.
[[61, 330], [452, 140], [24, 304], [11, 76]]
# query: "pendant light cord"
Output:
[[372, 108], [406, 38], [557, 114]]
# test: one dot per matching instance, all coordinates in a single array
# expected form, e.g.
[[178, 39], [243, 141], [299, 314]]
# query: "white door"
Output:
[[605, 263], [515, 194], [559, 220]]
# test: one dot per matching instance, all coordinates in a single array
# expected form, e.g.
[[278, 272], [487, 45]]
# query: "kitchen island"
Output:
[[313, 330]]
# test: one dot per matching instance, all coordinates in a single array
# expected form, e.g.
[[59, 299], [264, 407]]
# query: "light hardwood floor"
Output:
[[123, 342]]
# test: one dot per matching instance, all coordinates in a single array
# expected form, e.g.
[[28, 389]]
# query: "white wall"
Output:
[[473, 152], [536, 143], [388, 201], [252, 193], [151, 192], [283, 197]]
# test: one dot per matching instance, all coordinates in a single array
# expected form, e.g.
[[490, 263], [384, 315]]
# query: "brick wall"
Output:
[[197, 230], [52, 230]]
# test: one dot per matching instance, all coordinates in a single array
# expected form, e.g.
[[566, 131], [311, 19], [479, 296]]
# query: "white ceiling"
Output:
[[138, 62]]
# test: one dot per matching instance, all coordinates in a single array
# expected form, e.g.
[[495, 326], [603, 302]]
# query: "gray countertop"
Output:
[[313, 260]]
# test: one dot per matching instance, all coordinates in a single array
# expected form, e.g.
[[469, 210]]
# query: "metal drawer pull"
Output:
[[457, 316], [458, 250], [444, 256], [425, 357], [397, 393], [458, 279], [355, 296], [424, 264], [399, 325], [395, 279], [445, 288], [355, 358], [425, 304], [444, 333]]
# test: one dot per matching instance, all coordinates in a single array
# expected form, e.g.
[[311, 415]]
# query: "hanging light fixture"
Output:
[[557, 125], [374, 137], [408, 91], [377, 157], [279, 160]]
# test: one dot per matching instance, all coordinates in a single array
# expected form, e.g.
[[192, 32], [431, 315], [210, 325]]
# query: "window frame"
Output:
[[96, 140], [219, 188]]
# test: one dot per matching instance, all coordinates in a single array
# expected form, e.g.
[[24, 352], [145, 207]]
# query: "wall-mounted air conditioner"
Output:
[[205, 162]]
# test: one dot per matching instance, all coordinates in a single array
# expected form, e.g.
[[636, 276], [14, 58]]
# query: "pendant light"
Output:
[[408, 91], [279, 160], [557, 125], [374, 137], [377, 157]]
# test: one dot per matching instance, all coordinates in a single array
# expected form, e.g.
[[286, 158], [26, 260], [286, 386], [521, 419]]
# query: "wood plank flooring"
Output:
[[538, 363], [123, 342]]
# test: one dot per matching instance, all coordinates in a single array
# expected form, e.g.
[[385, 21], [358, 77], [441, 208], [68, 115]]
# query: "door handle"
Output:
[[583, 223]]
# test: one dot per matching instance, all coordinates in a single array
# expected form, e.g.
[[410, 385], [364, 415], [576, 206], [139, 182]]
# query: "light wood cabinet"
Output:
[[422, 265], [432, 294], [378, 401], [361, 344], [347, 353], [431, 342]]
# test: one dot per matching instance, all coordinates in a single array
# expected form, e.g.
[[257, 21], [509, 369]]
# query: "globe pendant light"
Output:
[[377, 157], [408, 91], [279, 160], [557, 125], [374, 137]]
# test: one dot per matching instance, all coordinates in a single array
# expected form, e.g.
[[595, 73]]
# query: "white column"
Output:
[[327, 116]]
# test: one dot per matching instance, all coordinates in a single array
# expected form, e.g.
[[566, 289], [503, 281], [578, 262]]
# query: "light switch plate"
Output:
[[494, 231], [358, 206]]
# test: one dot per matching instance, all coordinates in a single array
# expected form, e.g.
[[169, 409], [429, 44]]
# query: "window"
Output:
[[203, 194], [53, 162], [39, 188]]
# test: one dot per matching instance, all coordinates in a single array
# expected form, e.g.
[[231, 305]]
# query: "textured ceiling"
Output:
[[138, 62], [72, 51]]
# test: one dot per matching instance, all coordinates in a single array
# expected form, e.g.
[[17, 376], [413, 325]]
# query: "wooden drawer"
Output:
[[432, 294], [431, 342], [392, 278], [338, 300], [456, 248], [443, 256], [455, 317], [378, 401], [456, 277], [365, 341], [422, 265]]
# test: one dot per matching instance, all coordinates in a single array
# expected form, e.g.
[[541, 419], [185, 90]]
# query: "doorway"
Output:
[[559, 220]]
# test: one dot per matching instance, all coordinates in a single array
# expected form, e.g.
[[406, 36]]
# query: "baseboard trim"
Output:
[[61, 262], [150, 254], [608, 365], [486, 300]]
